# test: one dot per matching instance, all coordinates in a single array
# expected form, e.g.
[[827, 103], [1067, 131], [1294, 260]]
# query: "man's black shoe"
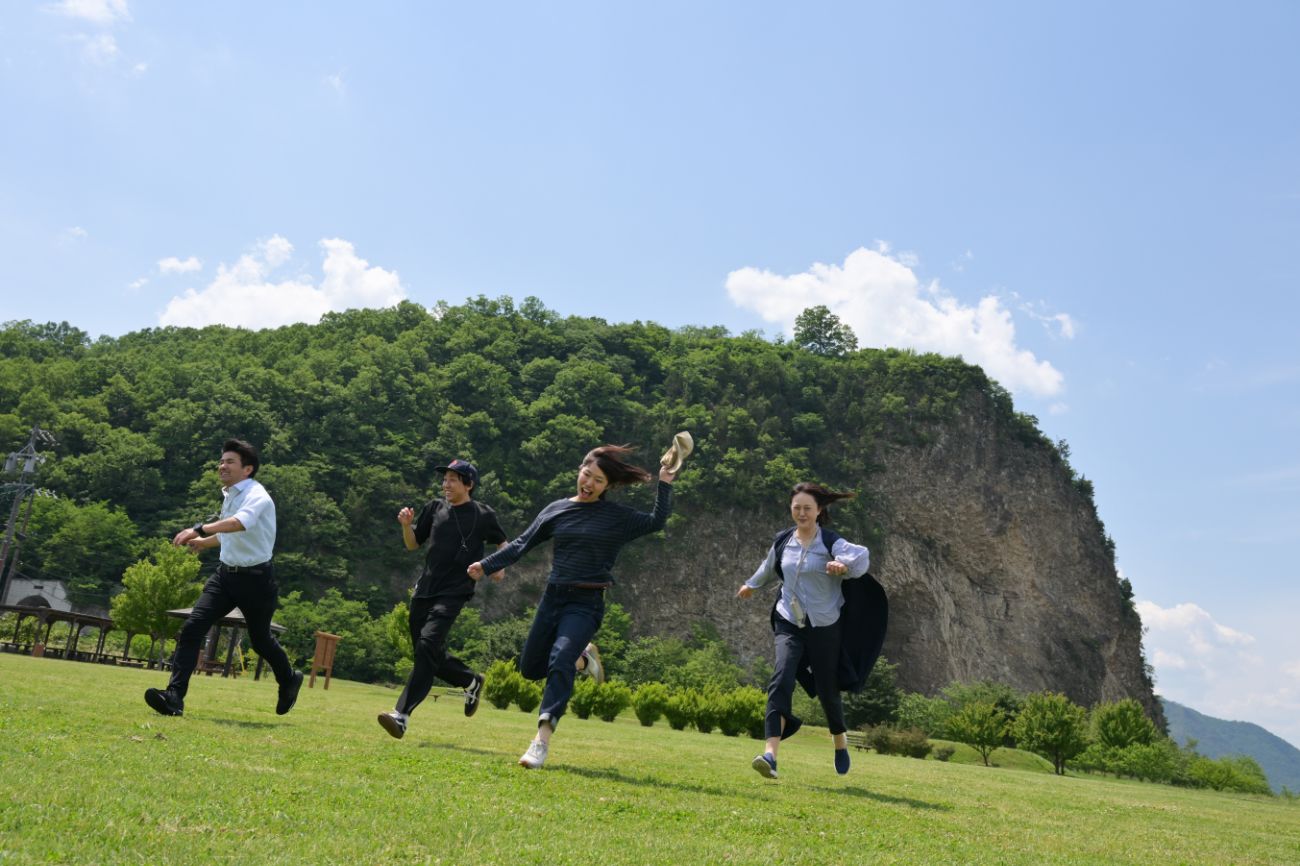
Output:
[[164, 702], [473, 694], [289, 694]]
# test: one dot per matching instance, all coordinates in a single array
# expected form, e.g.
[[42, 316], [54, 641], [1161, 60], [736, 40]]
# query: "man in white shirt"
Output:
[[245, 532]]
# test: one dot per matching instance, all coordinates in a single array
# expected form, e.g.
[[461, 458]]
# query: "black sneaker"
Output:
[[164, 702], [473, 692], [289, 694], [394, 723]]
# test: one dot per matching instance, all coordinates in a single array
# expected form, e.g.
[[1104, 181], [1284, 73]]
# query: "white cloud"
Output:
[[879, 296], [1165, 660], [75, 233], [101, 12], [100, 49], [173, 265], [137, 285], [1219, 670], [245, 294], [276, 250], [336, 83], [1193, 622], [1066, 323]]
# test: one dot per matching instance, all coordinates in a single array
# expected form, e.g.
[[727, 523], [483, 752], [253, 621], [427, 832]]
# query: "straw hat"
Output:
[[675, 456]]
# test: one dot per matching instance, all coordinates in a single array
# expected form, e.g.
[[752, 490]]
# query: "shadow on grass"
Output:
[[852, 791], [240, 723], [648, 781], [452, 747], [596, 773]]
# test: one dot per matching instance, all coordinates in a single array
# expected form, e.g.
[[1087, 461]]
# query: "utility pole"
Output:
[[22, 464]]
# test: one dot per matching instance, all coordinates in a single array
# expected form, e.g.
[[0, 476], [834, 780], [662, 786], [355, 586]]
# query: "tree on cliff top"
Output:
[[821, 332]]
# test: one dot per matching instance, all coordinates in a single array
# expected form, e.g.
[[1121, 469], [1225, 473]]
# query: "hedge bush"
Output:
[[610, 698], [649, 702], [528, 694], [678, 711], [742, 711], [889, 740], [501, 684], [584, 697]]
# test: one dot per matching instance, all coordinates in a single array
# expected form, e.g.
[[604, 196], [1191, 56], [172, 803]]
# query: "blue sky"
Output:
[[1099, 203]]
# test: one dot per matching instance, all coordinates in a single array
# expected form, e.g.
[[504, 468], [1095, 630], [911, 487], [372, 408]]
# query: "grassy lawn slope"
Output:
[[91, 775]]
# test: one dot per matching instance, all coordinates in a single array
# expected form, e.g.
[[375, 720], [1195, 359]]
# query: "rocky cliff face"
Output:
[[995, 565], [997, 568]]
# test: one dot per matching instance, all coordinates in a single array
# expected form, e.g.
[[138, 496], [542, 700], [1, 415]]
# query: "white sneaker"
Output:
[[594, 668], [535, 756]]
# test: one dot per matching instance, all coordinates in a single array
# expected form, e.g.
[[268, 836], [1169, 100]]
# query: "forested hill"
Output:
[[353, 413], [1216, 738]]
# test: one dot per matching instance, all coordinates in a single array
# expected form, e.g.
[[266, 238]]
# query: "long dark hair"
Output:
[[609, 459], [823, 496]]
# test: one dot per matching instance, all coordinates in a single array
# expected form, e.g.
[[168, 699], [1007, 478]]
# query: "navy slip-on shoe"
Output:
[[765, 764]]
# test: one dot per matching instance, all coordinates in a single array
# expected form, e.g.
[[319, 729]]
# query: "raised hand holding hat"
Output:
[[675, 456]]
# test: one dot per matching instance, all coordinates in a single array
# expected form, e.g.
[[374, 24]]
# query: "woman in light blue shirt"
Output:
[[810, 561]]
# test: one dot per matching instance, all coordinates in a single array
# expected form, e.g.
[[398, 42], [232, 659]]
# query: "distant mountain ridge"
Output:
[[1216, 737]]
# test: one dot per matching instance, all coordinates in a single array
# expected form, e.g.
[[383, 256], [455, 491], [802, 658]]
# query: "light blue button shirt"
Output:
[[251, 505], [810, 596]]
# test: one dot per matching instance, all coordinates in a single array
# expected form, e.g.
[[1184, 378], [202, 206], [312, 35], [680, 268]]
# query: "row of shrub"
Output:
[[1115, 738], [733, 712]]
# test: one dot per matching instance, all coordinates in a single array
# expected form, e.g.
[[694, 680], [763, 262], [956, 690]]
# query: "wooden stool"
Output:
[[324, 659]]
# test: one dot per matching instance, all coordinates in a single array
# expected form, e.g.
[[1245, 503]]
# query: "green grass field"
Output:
[[91, 775]]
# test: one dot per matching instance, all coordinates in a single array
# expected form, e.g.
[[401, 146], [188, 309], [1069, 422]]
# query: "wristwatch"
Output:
[[198, 529]]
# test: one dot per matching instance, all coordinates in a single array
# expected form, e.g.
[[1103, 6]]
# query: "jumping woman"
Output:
[[589, 531]]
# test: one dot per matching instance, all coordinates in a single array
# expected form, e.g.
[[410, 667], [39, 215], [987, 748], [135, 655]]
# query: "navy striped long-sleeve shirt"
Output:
[[588, 536]]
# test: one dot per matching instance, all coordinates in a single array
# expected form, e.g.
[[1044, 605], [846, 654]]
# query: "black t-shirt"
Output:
[[456, 537]]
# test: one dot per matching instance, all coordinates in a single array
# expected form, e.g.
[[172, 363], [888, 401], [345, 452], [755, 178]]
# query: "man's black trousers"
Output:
[[430, 623], [256, 594]]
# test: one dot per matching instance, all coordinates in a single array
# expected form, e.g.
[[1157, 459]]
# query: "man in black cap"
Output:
[[456, 528]]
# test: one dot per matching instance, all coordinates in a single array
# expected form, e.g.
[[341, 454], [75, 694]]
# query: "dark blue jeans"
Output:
[[818, 648], [256, 594], [430, 622], [567, 619]]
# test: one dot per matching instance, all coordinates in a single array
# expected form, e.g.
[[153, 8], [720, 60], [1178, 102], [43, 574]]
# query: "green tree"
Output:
[[821, 332], [925, 714], [1002, 696], [651, 659], [980, 725], [365, 649], [89, 546], [164, 580], [1052, 726], [611, 639], [397, 626], [1121, 724], [878, 701]]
